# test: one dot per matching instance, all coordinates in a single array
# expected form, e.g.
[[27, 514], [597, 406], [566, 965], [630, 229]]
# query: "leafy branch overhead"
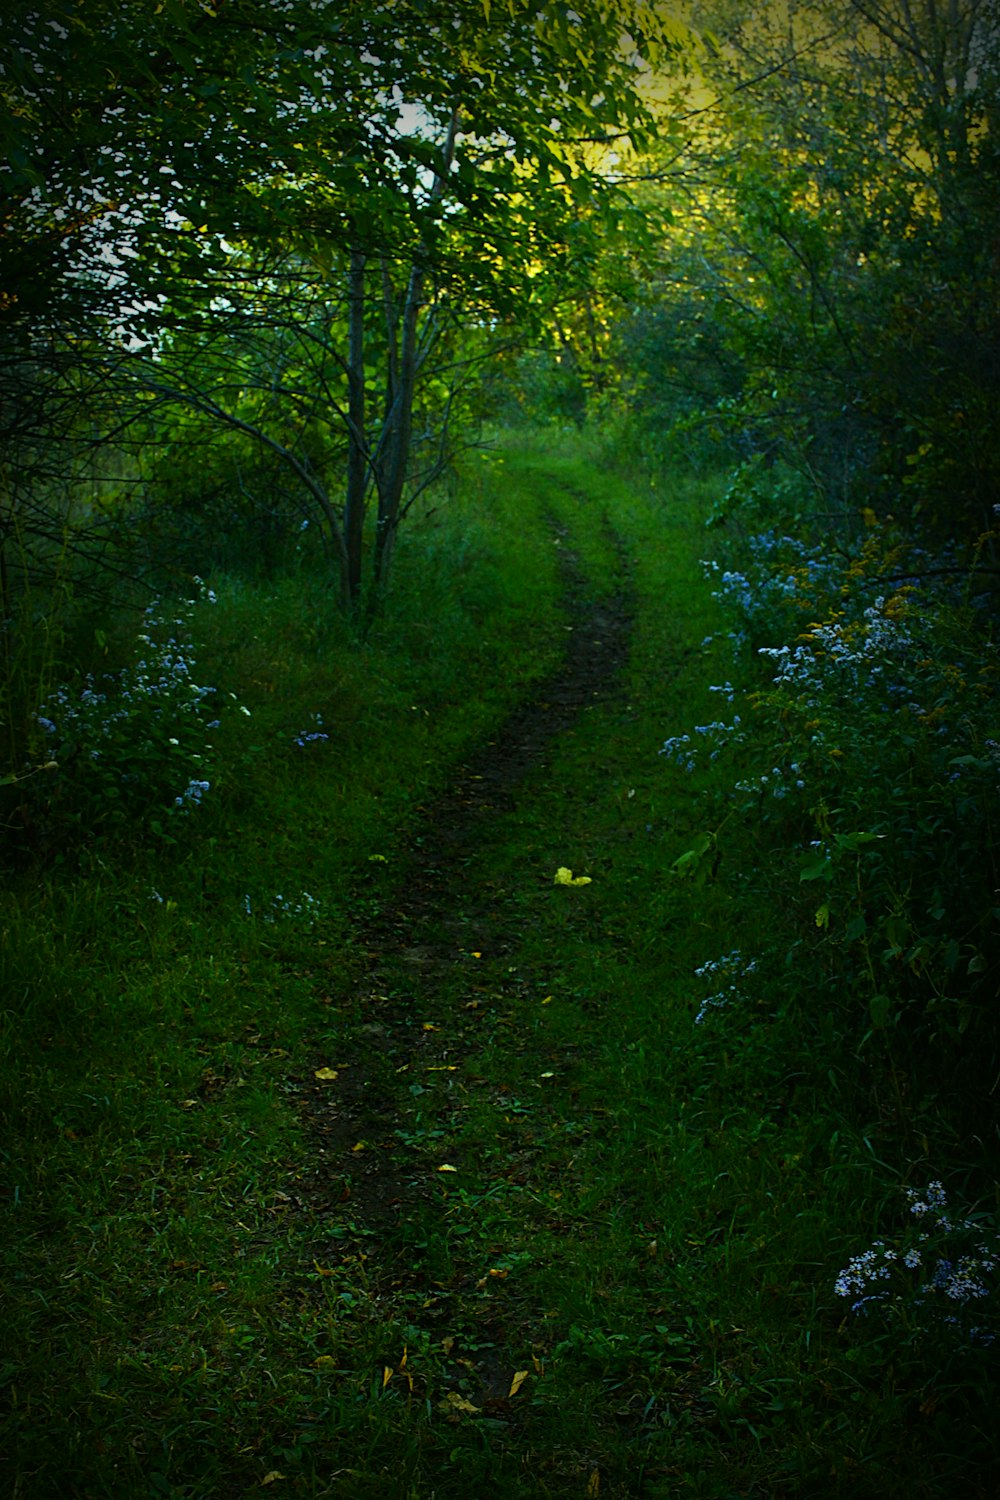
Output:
[[311, 225]]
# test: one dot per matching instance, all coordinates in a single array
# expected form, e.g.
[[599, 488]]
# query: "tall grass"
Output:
[[627, 1286]]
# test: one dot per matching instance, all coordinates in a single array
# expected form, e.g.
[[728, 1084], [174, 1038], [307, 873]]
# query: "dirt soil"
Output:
[[358, 1172]]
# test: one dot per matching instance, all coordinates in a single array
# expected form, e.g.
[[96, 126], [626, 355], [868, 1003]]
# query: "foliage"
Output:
[[827, 294], [311, 227], [631, 1267], [416, 1159], [937, 1277], [126, 753], [874, 730]]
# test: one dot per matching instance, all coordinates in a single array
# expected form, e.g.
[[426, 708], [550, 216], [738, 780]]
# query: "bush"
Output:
[[867, 753], [128, 753], [936, 1277]]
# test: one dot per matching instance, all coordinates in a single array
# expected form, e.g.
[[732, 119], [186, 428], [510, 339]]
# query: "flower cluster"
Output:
[[727, 971], [681, 748], [192, 794], [302, 908], [849, 653], [777, 782], [133, 747], [871, 721], [939, 1268], [777, 589], [312, 736]]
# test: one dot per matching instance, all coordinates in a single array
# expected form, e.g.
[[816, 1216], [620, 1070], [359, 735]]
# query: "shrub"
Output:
[[868, 751], [129, 752], [936, 1276]]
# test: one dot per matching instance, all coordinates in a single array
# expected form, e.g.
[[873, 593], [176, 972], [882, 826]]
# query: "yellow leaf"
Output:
[[823, 916], [547, 1000], [447, 1168], [324, 1359], [566, 877], [546, 1075], [594, 1485], [477, 955], [361, 1146], [454, 1402], [520, 1376], [386, 1375], [326, 1075], [448, 1344], [270, 1478]]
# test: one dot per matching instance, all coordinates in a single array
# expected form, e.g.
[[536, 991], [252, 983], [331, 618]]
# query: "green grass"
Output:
[[646, 1217]]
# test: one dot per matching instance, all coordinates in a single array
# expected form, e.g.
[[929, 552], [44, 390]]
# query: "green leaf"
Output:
[[687, 864], [880, 1008]]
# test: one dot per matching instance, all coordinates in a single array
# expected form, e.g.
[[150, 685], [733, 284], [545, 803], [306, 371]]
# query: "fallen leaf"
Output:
[[429, 1026], [546, 1075], [270, 1478], [566, 877], [448, 1344], [594, 1485], [361, 1146], [324, 1359], [547, 1000], [520, 1376], [476, 955], [326, 1075], [386, 1375], [454, 1402], [447, 1168]]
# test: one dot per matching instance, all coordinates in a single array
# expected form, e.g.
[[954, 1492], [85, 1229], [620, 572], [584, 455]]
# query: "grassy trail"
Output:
[[445, 1194]]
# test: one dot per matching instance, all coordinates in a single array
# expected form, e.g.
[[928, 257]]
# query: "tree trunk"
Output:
[[357, 447], [398, 429]]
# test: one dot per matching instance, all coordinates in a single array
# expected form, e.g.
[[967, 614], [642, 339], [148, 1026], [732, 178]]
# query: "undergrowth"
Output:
[[649, 1126]]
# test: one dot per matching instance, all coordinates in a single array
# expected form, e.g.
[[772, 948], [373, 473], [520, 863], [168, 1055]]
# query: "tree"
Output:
[[356, 203], [836, 220]]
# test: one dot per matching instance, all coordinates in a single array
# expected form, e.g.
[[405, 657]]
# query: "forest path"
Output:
[[434, 919], [385, 1103]]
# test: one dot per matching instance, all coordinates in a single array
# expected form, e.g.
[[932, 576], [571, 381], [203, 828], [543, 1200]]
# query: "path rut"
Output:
[[358, 1174]]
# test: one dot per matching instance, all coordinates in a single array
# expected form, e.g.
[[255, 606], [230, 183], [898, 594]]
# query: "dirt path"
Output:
[[361, 1173]]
